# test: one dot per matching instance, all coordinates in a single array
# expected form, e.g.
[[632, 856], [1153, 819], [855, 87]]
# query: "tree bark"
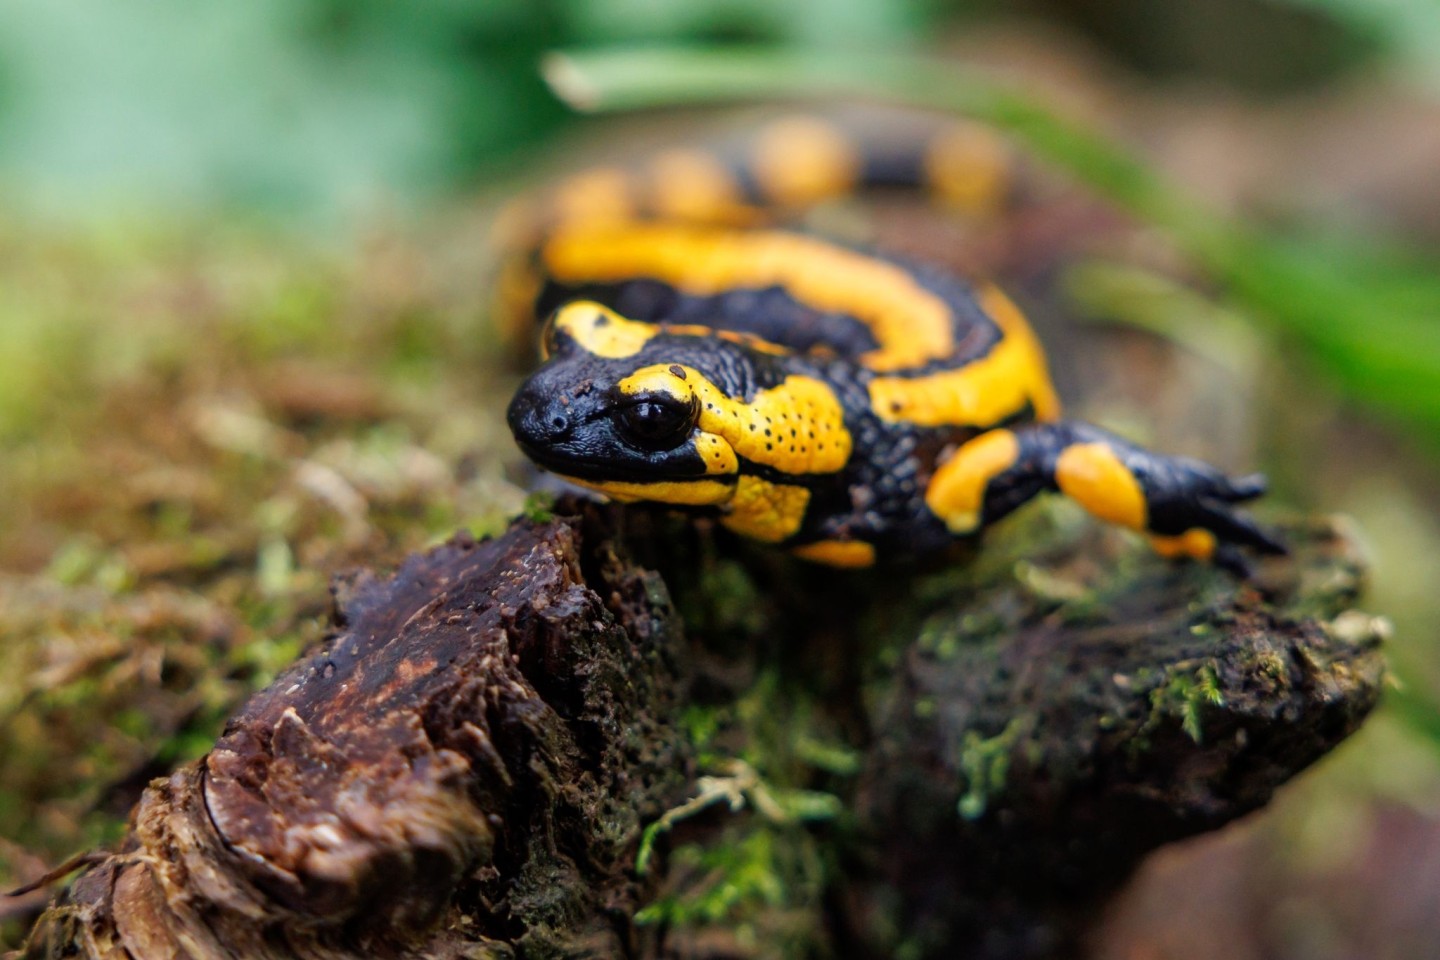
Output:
[[514, 749]]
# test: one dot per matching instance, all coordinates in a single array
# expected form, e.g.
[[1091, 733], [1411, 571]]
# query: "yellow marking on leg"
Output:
[[693, 185], [1093, 476], [804, 160], [766, 511], [969, 167], [602, 331], [603, 194], [957, 490], [797, 427], [1197, 542], [695, 493], [911, 324], [838, 553], [985, 391]]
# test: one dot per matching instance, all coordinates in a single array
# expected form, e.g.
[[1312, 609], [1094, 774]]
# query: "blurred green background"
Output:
[[202, 201], [315, 107]]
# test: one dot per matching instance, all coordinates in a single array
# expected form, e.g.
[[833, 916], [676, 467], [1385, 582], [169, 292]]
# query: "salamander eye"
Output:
[[656, 422]]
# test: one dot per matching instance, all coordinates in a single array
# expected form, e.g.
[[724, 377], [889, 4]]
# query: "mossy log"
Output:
[[514, 749]]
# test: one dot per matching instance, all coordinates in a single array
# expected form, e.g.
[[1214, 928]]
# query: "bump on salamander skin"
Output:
[[845, 404]]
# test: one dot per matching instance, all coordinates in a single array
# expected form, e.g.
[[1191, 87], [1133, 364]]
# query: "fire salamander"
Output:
[[845, 405]]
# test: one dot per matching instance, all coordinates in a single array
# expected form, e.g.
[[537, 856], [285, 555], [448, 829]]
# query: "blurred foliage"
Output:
[[1409, 30], [324, 106], [1252, 44], [280, 104]]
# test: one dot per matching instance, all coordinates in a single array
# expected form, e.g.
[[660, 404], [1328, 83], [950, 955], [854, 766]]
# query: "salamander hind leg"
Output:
[[1187, 507]]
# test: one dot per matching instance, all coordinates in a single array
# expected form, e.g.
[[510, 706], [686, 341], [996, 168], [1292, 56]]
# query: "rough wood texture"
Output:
[[1048, 752], [481, 721], [958, 764]]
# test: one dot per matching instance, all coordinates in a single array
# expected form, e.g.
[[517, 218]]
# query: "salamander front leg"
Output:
[[1186, 506]]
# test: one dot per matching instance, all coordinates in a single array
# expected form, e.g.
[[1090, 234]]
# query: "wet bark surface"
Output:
[[514, 749]]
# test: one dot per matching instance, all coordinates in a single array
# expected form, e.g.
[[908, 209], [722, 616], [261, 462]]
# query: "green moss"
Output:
[[85, 562], [1185, 697], [734, 603], [539, 507], [771, 757], [828, 756], [985, 763], [294, 317], [757, 885], [701, 724], [743, 876], [737, 787]]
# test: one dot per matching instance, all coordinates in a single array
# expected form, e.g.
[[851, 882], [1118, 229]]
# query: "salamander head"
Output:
[[607, 411]]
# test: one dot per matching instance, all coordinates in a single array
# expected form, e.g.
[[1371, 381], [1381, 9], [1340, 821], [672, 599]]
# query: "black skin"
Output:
[[1181, 493], [569, 417]]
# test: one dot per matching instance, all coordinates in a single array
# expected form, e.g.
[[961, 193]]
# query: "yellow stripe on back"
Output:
[[802, 160], [601, 194], [981, 392], [911, 324], [693, 185], [969, 166]]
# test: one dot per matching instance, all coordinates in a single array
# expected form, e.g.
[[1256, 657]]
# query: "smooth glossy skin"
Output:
[[846, 405]]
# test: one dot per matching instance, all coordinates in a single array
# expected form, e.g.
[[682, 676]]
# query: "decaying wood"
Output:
[[1088, 737], [484, 720], [468, 767]]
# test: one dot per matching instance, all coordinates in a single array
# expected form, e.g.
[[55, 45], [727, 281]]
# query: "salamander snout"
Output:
[[540, 419]]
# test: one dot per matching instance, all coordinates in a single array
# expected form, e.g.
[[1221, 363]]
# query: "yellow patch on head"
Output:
[[718, 455], [837, 553], [693, 185], [957, 491], [691, 493], [969, 166], [982, 392], [766, 511], [797, 427], [1093, 476], [1197, 542], [602, 331], [911, 324], [803, 160]]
